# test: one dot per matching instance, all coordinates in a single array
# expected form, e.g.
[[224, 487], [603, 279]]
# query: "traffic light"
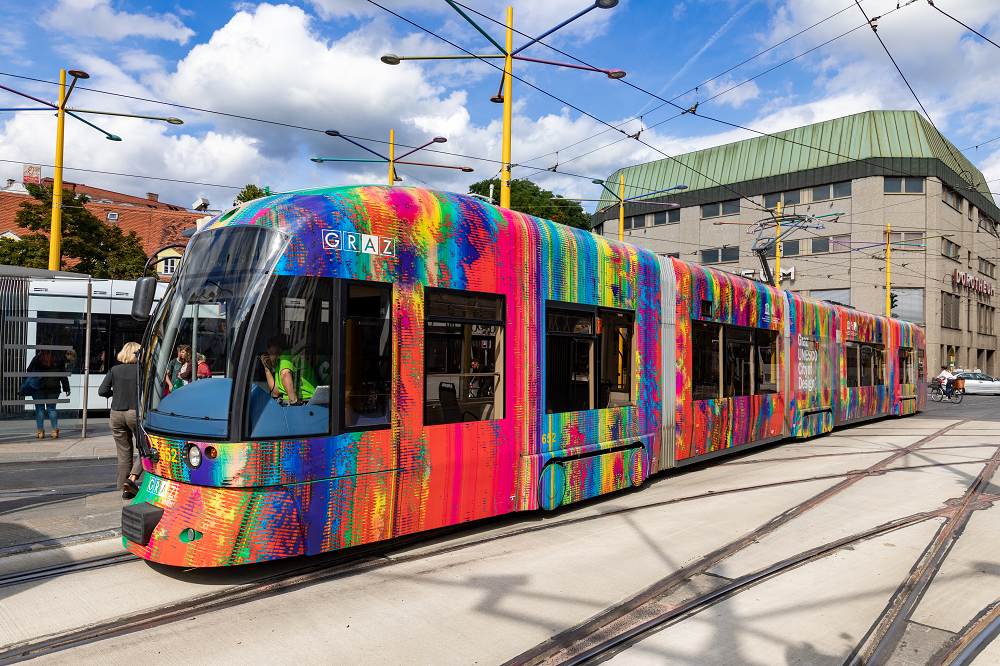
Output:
[[893, 301]]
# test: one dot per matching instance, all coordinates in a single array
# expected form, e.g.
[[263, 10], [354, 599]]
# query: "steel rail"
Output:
[[56, 570], [379, 557], [877, 647]]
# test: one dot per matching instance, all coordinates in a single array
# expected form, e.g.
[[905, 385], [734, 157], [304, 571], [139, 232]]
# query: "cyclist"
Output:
[[947, 378]]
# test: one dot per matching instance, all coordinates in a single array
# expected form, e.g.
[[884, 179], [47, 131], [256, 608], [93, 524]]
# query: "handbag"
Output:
[[30, 386]]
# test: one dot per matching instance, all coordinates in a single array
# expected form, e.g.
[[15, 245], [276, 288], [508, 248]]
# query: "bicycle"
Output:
[[957, 391]]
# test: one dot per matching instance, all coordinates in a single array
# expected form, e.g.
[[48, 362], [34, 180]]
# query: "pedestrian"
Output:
[[174, 368], [48, 389], [204, 372], [120, 386]]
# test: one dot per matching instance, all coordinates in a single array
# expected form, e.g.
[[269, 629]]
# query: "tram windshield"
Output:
[[198, 330]]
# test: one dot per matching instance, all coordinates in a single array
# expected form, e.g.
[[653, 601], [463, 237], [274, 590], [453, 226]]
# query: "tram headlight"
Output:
[[193, 456]]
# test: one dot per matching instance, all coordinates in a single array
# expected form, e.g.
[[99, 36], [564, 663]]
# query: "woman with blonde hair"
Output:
[[120, 386]]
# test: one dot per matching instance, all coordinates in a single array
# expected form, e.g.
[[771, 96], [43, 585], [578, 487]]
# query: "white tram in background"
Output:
[[57, 315]]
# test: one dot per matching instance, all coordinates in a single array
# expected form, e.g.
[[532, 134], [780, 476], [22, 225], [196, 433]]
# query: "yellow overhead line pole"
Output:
[[621, 207], [777, 251], [392, 157], [508, 69], [888, 270], [55, 232]]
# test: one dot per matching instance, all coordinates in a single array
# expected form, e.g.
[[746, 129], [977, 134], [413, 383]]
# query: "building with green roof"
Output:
[[878, 168]]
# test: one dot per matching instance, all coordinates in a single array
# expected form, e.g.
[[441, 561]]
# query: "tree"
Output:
[[249, 193], [98, 250], [527, 197]]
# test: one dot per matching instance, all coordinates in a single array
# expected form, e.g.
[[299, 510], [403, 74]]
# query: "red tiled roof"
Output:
[[157, 224]]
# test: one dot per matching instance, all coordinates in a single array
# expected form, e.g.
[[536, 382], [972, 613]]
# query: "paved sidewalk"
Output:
[[16, 445]]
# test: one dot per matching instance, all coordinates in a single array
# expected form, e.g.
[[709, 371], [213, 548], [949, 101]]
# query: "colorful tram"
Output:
[[388, 360]]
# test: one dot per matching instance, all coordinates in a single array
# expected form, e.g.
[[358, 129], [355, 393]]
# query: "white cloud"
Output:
[[733, 93], [96, 18]]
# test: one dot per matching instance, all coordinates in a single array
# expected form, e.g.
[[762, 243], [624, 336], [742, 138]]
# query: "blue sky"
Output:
[[316, 64]]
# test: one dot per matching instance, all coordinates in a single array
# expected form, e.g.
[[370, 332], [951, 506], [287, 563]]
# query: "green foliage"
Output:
[[249, 193], [526, 197], [100, 250]]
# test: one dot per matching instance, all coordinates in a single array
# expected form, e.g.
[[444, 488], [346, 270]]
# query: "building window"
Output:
[[627, 224], [835, 191], [790, 248], [906, 185], [985, 319], [909, 305], [841, 296], [840, 243], [669, 255], [709, 256], [906, 240], [638, 221], [674, 216], [987, 268], [950, 310], [786, 198], [729, 254], [463, 356], [718, 209], [168, 266], [950, 250], [952, 199], [659, 218], [569, 360], [113, 218], [599, 229], [820, 245]]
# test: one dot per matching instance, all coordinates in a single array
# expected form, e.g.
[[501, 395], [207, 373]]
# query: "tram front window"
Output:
[[197, 335]]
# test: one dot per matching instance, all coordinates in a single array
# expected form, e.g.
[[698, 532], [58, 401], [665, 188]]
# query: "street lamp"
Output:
[[509, 54], [391, 160], [55, 233]]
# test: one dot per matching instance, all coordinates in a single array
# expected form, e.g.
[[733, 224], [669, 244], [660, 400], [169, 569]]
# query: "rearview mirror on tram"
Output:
[[142, 299]]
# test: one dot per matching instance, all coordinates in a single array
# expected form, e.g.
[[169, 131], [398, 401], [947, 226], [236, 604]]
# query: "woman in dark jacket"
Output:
[[120, 386], [48, 389]]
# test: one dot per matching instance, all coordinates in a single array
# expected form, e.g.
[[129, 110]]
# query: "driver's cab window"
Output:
[[291, 360]]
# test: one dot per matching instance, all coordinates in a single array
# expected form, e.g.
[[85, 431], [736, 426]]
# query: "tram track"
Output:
[[57, 570], [380, 557], [584, 632]]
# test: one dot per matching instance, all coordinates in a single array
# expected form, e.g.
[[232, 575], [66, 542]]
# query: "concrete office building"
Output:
[[878, 168]]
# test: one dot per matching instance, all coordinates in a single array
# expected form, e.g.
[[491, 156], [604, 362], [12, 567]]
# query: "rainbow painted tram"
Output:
[[378, 361]]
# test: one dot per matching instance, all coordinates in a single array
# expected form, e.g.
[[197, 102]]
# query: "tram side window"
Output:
[[616, 329], [739, 362], [920, 366], [366, 356], [878, 363], [706, 340], [865, 365], [851, 363], [463, 356], [569, 360], [74, 335], [766, 362], [291, 360], [905, 365]]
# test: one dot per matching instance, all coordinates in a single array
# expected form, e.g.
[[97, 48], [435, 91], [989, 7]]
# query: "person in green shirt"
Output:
[[296, 381]]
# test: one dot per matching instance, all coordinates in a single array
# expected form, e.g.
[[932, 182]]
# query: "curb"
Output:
[[60, 542]]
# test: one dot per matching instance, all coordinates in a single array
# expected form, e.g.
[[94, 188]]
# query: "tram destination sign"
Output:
[[973, 283], [349, 241]]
